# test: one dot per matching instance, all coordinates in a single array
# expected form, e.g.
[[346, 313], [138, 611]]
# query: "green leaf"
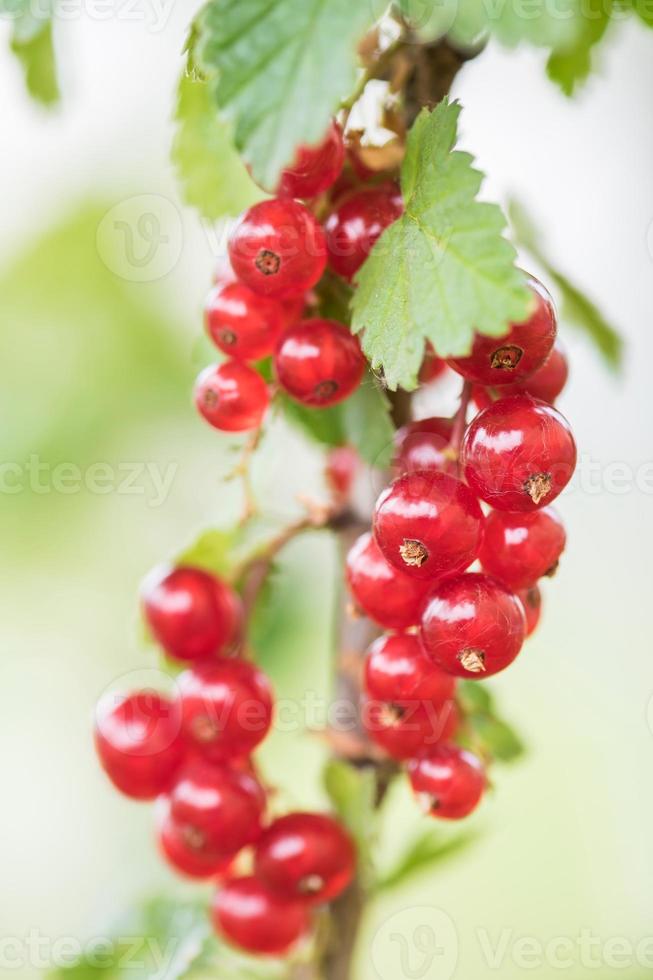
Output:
[[352, 792], [571, 64], [576, 307], [283, 68], [213, 178], [484, 731], [431, 848], [31, 42], [644, 10], [444, 269], [323, 425]]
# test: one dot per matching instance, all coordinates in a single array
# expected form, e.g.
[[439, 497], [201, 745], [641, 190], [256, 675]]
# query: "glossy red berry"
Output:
[[432, 365], [226, 708], [516, 355], [315, 168], [306, 856], [397, 668], [186, 850], [354, 227], [472, 626], [531, 600], [548, 381], [407, 727], [518, 454], [382, 592], [340, 471], [242, 323], [518, 549], [319, 362], [448, 781], [219, 808], [278, 248], [424, 445], [253, 918], [138, 741], [231, 396], [191, 613], [428, 524]]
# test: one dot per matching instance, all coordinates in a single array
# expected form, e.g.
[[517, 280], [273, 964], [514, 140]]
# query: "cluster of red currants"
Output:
[[278, 252], [192, 753], [410, 575]]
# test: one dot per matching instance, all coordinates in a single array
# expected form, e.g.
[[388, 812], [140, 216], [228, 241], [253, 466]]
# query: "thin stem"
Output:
[[459, 423], [243, 470], [375, 70]]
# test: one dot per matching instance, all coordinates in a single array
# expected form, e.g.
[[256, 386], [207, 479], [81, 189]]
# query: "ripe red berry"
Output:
[[518, 454], [511, 358], [407, 726], [250, 916], [428, 524], [231, 396], [424, 445], [472, 626], [448, 781], [186, 850], [518, 549], [354, 227], [191, 613], [218, 808], [242, 323], [278, 248], [138, 741], [531, 600], [340, 470], [385, 594], [226, 708], [397, 668], [306, 856], [319, 362], [432, 365], [315, 168], [548, 381]]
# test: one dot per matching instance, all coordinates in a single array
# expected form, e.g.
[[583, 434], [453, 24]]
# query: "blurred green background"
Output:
[[98, 352]]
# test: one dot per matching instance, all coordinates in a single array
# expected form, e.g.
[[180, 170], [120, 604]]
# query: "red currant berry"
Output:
[[219, 809], [531, 600], [428, 525], [278, 248], [396, 668], [432, 365], [315, 168], [518, 549], [319, 362], [424, 445], [448, 781], [385, 594], [186, 850], [518, 454], [548, 381], [305, 856], [354, 227], [137, 739], [472, 626], [231, 396], [340, 470], [511, 358], [250, 916], [406, 727], [243, 324], [226, 708], [191, 613]]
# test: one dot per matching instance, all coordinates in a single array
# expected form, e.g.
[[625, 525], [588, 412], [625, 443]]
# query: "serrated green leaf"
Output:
[[213, 178], [576, 308], [283, 68], [444, 269], [431, 848], [571, 64], [352, 791]]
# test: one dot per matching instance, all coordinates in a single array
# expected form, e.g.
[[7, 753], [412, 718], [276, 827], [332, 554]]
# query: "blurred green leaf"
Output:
[[576, 307], [213, 178], [283, 68], [571, 64], [444, 269], [31, 42], [352, 791], [431, 848], [324, 425], [483, 731]]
